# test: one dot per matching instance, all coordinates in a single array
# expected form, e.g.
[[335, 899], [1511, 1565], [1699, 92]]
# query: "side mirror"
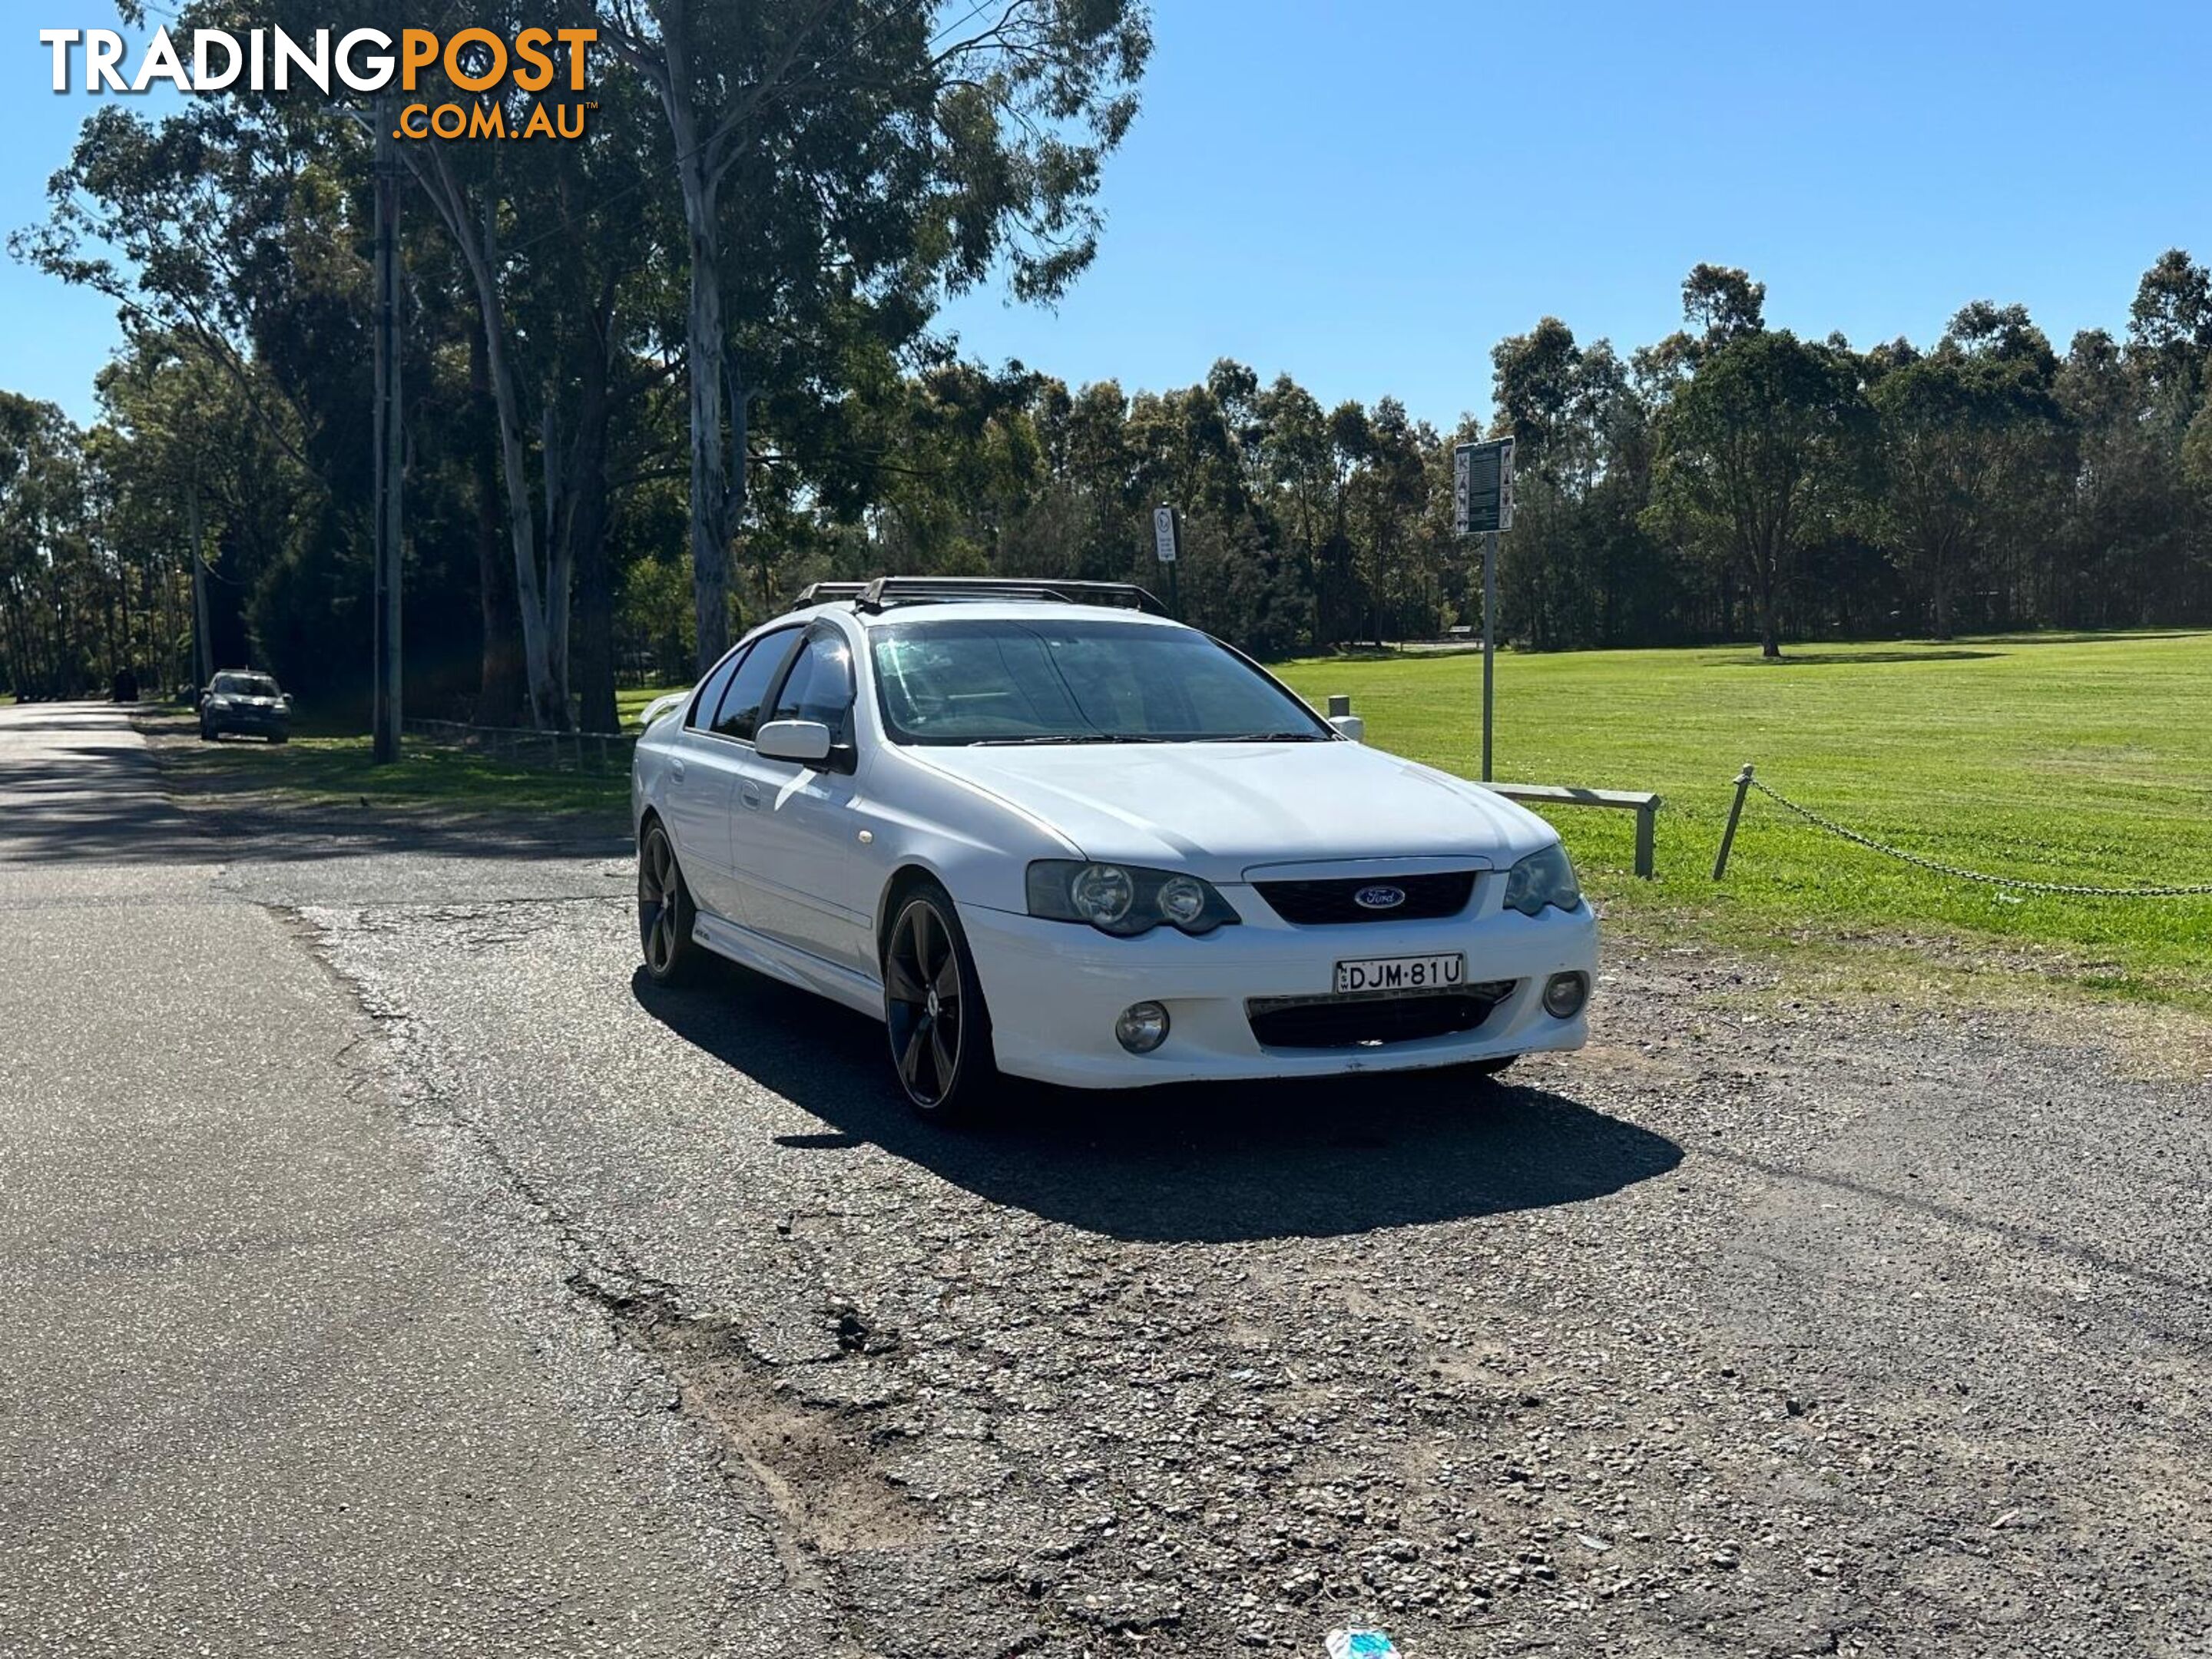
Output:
[[805, 741], [1350, 726]]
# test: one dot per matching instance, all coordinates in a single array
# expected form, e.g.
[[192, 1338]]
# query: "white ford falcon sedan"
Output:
[[1038, 830]]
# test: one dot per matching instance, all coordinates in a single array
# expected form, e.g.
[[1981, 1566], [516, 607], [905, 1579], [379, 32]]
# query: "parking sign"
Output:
[[1482, 487]]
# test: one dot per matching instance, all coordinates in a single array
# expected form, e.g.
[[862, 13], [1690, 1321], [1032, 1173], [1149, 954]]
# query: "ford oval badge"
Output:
[[1379, 898]]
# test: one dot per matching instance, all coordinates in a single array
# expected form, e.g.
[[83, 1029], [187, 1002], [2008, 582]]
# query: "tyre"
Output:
[[940, 1031], [665, 911], [280, 737], [208, 733]]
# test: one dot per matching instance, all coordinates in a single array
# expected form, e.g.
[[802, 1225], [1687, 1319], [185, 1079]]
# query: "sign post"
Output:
[[1482, 504], [1167, 544]]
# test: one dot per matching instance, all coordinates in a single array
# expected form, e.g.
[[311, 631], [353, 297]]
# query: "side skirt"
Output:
[[787, 962]]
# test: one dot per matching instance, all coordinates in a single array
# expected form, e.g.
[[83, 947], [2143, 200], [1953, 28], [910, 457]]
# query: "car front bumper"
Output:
[[1055, 988], [248, 719]]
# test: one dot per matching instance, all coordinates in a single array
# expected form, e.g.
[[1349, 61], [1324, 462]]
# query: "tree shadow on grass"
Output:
[[1200, 1164], [1831, 658], [110, 803]]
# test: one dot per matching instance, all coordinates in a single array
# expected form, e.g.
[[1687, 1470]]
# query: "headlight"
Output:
[[1124, 899], [1182, 900], [1542, 878], [1102, 894]]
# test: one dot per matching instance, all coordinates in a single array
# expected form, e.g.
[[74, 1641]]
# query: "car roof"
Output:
[[985, 610]]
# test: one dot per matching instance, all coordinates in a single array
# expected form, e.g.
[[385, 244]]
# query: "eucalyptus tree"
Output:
[[222, 232], [2170, 335], [1581, 465], [46, 620], [1302, 477], [840, 163], [1969, 467], [202, 228], [560, 245], [1769, 441]]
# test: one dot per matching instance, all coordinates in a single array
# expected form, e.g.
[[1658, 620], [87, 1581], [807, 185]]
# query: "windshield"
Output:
[[246, 685], [980, 682]]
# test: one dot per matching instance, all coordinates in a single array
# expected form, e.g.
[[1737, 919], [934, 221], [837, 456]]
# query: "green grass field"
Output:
[[630, 702], [2037, 757], [336, 767]]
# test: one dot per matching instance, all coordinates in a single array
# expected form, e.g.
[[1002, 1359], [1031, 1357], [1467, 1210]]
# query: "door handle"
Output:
[[752, 796], [676, 771]]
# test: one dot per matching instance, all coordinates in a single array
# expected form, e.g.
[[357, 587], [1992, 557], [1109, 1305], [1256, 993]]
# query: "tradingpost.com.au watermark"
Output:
[[364, 60]]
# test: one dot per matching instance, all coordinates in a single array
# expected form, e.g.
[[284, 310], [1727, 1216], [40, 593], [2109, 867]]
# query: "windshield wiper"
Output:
[[1021, 743], [1265, 737], [1078, 737]]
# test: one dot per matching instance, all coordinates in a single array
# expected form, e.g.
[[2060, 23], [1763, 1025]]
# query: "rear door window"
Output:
[[710, 692]]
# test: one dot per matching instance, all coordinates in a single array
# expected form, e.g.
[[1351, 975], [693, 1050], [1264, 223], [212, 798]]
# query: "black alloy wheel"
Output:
[[940, 1032], [665, 911]]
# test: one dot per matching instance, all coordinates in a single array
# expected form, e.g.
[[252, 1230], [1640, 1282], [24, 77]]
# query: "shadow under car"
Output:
[[1200, 1163]]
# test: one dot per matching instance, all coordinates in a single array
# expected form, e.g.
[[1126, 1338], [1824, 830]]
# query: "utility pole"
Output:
[[385, 715], [203, 637]]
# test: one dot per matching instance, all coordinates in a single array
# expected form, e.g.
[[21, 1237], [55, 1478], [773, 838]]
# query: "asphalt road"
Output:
[[280, 1377], [1765, 1326]]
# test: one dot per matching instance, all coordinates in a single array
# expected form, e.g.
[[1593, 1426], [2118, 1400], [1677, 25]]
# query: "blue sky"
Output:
[[1367, 196]]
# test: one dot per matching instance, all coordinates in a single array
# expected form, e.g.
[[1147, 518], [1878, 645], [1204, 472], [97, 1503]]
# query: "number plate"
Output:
[[1401, 974]]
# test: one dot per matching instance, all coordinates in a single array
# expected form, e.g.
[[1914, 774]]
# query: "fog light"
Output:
[[1142, 1027], [1565, 995]]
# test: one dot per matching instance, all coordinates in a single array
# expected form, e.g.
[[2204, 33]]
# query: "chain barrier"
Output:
[[1936, 867]]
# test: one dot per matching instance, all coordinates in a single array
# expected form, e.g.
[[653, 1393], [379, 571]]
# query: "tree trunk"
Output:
[[710, 480], [1770, 632], [1940, 582], [594, 652], [549, 711], [202, 637], [499, 688], [477, 243]]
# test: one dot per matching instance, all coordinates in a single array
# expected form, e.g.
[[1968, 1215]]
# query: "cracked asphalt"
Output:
[[354, 1162]]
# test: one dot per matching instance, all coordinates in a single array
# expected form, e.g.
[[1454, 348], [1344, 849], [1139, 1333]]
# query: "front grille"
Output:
[[1358, 1022], [1323, 903]]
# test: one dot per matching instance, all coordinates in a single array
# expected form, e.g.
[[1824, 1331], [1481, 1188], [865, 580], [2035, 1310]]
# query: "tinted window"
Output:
[[740, 716], [819, 686], [710, 693], [1061, 681], [246, 685]]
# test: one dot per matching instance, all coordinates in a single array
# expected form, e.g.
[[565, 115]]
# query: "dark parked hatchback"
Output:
[[247, 702]]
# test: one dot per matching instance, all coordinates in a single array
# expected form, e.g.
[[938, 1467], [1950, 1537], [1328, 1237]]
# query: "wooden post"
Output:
[[1338, 705], [1735, 811], [1646, 833]]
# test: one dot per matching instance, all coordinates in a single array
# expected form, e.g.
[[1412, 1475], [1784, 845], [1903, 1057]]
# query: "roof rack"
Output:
[[886, 591]]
